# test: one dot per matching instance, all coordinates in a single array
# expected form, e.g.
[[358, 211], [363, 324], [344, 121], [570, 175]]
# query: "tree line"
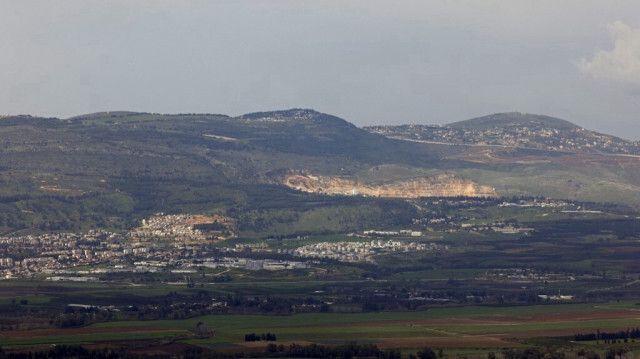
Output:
[[624, 335]]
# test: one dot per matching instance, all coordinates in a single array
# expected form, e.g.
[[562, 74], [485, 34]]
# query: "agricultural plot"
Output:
[[456, 327]]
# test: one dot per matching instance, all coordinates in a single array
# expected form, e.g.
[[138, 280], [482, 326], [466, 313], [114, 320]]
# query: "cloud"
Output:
[[622, 63]]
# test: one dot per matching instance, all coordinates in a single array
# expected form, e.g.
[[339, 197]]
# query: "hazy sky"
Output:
[[368, 61]]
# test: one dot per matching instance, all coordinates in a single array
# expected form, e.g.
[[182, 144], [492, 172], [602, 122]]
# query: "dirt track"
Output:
[[81, 331]]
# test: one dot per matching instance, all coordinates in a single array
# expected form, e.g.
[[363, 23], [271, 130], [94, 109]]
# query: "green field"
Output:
[[389, 329]]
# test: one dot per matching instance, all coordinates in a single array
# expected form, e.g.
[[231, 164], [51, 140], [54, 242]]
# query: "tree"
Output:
[[202, 330], [426, 353], [614, 352]]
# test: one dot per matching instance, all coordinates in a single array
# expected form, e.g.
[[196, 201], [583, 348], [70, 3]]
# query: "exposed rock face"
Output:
[[437, 186]]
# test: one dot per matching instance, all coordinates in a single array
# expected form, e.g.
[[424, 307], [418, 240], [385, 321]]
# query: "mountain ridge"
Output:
[[110, 169]]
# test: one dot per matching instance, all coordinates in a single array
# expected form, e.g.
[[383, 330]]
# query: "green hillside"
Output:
[[111, 169], [513, 119]]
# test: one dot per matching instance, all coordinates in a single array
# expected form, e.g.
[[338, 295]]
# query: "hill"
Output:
[[522, 154], [111, 169], [281, 173], [514, 120], [514, 130]]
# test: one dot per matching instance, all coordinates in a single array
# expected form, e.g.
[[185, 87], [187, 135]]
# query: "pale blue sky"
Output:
[[368, 61]]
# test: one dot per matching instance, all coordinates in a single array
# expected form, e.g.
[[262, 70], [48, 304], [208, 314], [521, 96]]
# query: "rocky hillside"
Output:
[[271, 171], [445, 185]]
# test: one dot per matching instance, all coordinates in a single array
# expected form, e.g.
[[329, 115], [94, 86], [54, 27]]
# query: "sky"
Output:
[[368, 61]]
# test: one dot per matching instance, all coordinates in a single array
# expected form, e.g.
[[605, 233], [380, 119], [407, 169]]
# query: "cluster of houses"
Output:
[[183, 228], [360, 251], [573, 139], [86, 256], [537, 202], [83, 257], [25, 256], [247, 247], [523, 275], [499, 227], [400, 233], [72, 256]]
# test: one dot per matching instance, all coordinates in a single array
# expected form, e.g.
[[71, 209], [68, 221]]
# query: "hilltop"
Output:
[[514, 130], [514, 120]]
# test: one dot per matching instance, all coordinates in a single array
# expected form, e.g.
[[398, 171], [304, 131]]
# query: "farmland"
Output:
[[475, 328]]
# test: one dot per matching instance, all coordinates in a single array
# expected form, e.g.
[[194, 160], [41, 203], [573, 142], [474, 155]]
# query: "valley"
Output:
[[162, 233]]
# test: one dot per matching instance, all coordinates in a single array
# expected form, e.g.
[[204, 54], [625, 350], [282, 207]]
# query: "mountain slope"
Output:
[[514, 130], [272, 171], [521, 154], [109, 169]]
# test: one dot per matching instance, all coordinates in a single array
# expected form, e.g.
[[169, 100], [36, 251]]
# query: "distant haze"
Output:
[[368, 61]]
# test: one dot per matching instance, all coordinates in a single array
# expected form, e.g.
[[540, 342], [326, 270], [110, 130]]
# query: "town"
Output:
[[165, 244], [552, 139], [361, 251]]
